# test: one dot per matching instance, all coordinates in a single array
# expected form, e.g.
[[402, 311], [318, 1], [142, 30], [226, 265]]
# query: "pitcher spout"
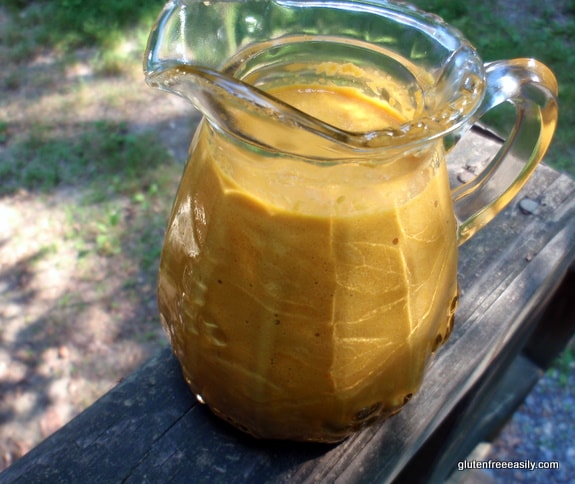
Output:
[[227, 57], [253, 116]]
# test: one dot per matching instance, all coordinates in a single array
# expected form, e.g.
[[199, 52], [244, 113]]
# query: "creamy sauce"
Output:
[[303, 301]]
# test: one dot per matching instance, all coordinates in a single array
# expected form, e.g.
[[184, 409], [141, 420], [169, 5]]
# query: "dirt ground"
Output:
[[71, 324]]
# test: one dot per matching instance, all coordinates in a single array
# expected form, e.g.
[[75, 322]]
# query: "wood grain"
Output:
[[150, 428]]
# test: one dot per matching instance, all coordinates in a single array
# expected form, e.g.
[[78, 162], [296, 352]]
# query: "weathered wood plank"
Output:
[[556, 326], [150, 428], [483, 411], [111, 437]]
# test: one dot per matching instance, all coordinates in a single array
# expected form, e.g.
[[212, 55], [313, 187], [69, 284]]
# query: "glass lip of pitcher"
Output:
[[461, 67]]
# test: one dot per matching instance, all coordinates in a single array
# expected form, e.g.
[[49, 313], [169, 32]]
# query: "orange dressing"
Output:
[[303, 301]]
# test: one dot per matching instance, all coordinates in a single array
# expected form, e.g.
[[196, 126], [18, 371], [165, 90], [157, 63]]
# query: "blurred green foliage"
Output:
[[536, 29], [74, 23]]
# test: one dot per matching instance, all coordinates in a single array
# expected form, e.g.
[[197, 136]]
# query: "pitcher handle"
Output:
[[532, 88]]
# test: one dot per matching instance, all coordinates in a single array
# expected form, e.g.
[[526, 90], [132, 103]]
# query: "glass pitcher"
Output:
[[309, 268]]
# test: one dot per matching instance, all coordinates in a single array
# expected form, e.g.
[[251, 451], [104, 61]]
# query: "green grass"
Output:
[[125, 181], [131, 228], [118, 29], [101, 154], [564, 365]]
